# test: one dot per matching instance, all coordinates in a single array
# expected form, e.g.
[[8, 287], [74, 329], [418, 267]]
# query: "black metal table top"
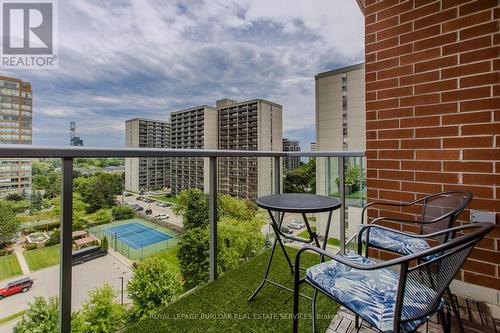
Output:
[[298, 203]]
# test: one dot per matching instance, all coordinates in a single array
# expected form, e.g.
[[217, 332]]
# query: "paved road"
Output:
[[86, 277], [174, 219]]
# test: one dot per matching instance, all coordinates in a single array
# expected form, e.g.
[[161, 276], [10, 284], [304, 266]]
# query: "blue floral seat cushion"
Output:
[[371, 294], [393, 241]]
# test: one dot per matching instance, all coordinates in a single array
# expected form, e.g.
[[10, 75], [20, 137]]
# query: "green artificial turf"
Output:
[[9, 266], [222, 306], [42, 258]]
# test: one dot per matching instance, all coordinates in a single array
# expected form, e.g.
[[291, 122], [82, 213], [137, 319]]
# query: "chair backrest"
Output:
[[443, 208], [423, 285]]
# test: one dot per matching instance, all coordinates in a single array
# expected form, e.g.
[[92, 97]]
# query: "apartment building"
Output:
[[194, 128], [147, 173], [313, 146], [340, 125], [249, 125], [291, 162], [15, 128]]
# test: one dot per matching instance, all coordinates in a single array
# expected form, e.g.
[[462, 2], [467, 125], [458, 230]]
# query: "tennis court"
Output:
[[137, 235], [136, 238]]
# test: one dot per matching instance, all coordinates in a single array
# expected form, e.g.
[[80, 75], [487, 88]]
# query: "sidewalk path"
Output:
[[22, 262]]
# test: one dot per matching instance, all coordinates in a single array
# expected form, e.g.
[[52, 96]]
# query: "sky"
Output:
[[120, 59]]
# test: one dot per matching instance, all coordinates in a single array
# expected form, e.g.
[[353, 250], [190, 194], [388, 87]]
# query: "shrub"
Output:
[[155, 283], [5, 252], [54, 238], [122, 212], [30, 246], [104, 243], [101, 314]]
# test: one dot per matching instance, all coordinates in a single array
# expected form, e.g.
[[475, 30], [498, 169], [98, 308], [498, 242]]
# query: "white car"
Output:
[[162, 216], [297, 225]]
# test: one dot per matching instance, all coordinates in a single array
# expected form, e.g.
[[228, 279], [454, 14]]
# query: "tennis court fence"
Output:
[[128, 251]]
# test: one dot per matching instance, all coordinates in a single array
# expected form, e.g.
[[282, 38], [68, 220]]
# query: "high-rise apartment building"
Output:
[[194, 128], [147, 173], [249, 125], [340, 109], [291, 162], [340, 125], [313, 146], [15, 128]]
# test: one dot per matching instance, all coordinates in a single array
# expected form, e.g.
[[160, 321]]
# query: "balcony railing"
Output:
[[68, 154]]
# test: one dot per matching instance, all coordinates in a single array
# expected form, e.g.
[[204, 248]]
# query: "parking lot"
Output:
[[156, 210], [86, 277]]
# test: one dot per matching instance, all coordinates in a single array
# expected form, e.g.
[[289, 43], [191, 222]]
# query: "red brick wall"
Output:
[[433, 109]]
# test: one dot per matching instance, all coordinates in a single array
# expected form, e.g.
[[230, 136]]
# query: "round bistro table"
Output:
[[302, 203]]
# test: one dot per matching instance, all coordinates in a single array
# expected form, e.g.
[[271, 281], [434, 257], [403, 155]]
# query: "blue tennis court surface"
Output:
[[137, 235]]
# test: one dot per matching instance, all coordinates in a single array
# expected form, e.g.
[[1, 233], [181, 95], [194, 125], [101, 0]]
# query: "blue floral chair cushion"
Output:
[[370, 293], [393, 241]]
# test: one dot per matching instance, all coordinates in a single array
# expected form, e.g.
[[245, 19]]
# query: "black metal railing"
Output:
[[68, 154]]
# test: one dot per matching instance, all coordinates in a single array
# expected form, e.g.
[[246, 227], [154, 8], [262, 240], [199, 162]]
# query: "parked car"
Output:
[[137, 208], [139, 198], [148, 211], [286, 230], [17, 286], [162, 216], [296, 225]]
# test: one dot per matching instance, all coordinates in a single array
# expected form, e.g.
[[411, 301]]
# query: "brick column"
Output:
[[433, 110]]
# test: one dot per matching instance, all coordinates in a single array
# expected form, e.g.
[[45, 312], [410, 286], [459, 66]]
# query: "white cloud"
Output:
[[125, 58]]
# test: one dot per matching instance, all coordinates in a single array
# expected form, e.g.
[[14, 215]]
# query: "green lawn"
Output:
[[11, 317], [42, 258], [170, 255], [164, 199], [331, 241], [9, 267], [222, 306]]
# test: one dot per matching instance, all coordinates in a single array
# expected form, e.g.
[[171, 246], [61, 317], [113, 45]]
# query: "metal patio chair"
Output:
[[397, 295], [439, 212]]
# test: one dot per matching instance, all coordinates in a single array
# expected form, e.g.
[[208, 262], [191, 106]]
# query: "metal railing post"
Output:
[[342, 201], [277, 175], [212, 215], [65, 269]]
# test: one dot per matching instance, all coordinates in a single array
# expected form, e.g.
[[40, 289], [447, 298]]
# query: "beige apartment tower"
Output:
[[194, 128], [147, 173], [249, 125], [291, 162], [340, 125], [15, 128]]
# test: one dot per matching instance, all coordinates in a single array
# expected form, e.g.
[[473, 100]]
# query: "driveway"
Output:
[[86, 277]]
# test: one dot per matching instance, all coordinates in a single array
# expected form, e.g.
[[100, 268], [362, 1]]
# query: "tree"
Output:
[[192, 204], [36, 202], [237, 240], [101, 314], [122, 212], [193, 256], [52, 185], [42, 316], [302, 179], [104, 243], [155, 283], [9, 223], [99, 191], [14, 197]]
